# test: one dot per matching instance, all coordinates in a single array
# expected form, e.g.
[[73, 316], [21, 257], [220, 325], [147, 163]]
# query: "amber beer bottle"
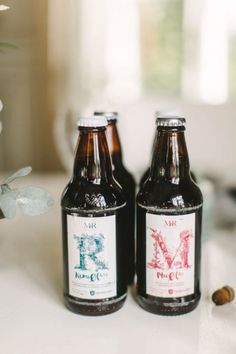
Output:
[[169, 212], [93, 227], [127, 182], [146, 173]]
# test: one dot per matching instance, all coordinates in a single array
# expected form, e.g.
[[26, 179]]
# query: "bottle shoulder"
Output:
[[88, 196], [167, 195]]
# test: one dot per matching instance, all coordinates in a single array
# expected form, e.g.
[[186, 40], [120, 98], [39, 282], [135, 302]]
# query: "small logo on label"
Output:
[[171, 291], [92, 292], [170, 223], [90, 225]]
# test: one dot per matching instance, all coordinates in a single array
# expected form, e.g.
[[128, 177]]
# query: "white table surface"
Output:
[[33, 319]]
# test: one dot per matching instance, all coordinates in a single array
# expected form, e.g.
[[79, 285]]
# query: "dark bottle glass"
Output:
[[93, 210], [144, 176], [146, 173], [127, 182], [169, 212]]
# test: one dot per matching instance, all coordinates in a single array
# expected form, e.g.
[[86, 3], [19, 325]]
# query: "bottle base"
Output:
[[168, 308], [99, 308]]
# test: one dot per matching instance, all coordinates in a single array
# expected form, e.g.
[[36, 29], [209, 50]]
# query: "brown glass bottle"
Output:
[[127, 182], [93, 227], [169, 210], [146, 173]]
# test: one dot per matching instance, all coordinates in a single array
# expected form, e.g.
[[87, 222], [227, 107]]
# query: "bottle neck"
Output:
[[113, 141], [92, 159], [170, 158]]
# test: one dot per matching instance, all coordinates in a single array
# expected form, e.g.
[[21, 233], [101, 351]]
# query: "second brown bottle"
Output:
[[127, 182]]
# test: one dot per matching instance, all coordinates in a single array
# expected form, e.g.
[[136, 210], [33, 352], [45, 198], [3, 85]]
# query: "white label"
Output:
[[170, 246], [92, 256]]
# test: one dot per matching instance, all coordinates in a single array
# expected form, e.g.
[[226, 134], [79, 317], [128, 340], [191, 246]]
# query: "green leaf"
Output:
[[6, 45], [8, 203], [20, 173], [34, 200]]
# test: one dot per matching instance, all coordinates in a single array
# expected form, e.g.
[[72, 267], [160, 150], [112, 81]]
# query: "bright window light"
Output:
[[122, 50], [213, 69]]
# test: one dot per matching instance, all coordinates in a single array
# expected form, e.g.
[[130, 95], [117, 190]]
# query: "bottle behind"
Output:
[[169, 212], [93, 210], [127, 182]]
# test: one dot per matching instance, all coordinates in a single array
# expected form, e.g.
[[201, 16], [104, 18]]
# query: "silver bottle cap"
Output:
[[93, 121], [168, 119], [107, 115]]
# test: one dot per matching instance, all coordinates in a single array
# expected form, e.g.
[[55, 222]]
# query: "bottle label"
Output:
[[170, 255], [92, 256]]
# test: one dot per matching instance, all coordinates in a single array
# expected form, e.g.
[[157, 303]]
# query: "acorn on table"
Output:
[[224, 295]]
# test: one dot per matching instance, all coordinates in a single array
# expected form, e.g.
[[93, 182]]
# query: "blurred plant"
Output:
[[5, 45], [2, 44], [1, 106], [31, 200]]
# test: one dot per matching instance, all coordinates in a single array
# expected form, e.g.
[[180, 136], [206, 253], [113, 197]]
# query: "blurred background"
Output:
[[134, 56]]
